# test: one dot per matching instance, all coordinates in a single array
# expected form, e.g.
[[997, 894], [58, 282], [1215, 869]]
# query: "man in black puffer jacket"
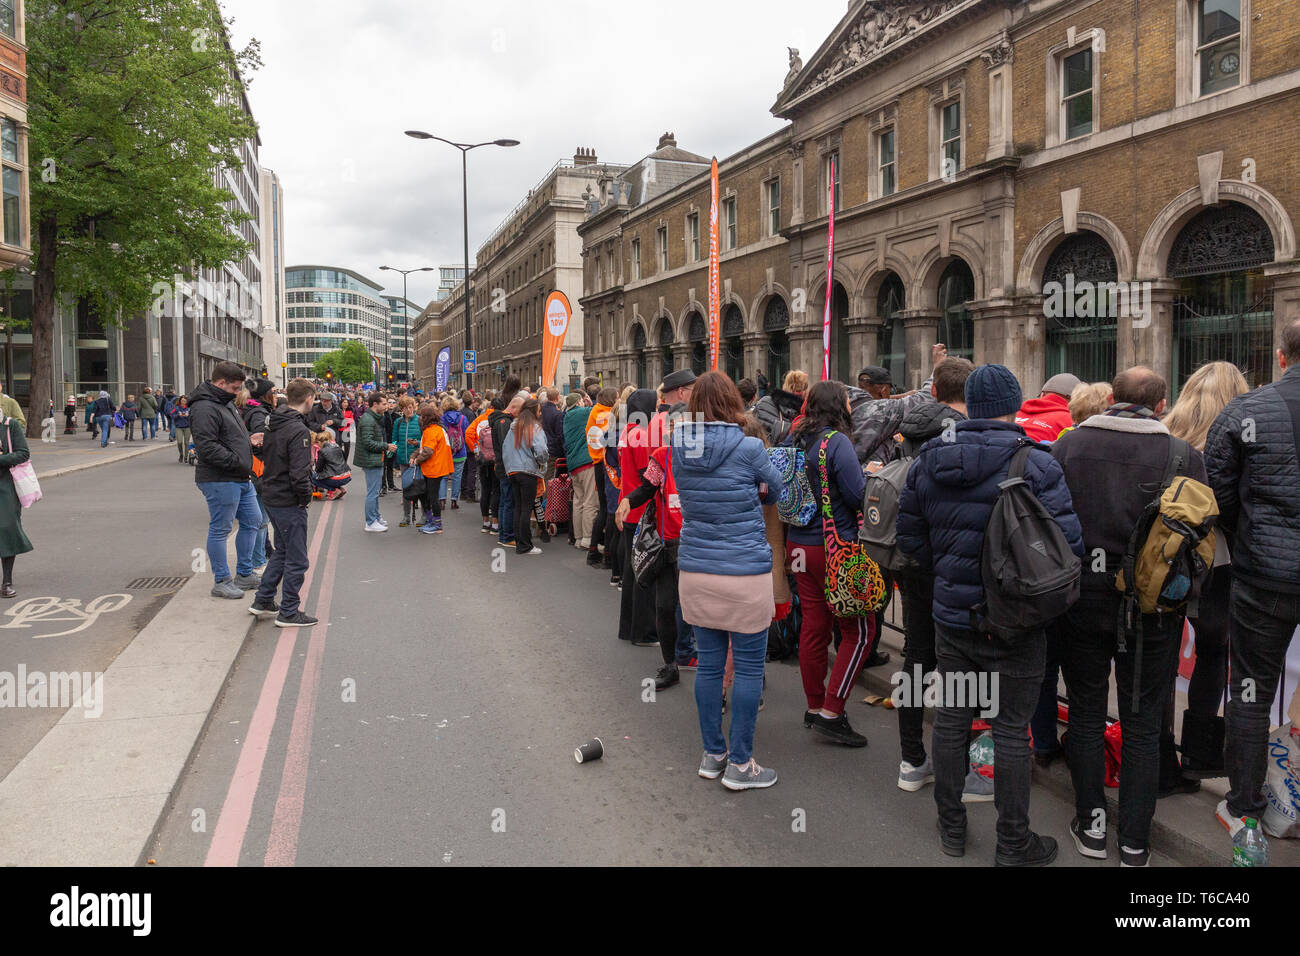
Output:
[[223, 475], [776, 412], [286, 492], [1250, 456]]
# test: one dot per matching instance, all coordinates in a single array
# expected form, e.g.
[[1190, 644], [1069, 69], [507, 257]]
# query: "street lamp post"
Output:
[[464, 180], [406, 318]]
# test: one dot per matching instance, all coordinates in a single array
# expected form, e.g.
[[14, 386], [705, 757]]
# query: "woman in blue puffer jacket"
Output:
[[725, 570]]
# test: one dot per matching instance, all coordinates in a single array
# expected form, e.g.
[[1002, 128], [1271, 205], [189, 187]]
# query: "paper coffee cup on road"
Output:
[[593, 749]]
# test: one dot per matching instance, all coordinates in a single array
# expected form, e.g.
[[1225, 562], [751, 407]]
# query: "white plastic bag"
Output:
[[1282, 784]]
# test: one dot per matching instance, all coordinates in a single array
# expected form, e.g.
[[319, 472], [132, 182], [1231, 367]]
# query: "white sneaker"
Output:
[[376, 527], [535, 551]]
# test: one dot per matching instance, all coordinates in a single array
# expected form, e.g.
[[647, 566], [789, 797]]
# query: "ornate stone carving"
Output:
[[1004, 52], [880, 26], [796, 67]]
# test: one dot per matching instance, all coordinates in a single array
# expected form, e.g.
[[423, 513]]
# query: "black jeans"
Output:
[[1212, 624], [1263, 623], [598, 535], [666, 600], [1042, 726], [1018, 669], [524, 488], [637, 616], [287, 565], [1089, 642], [489, 498], [917, 590]]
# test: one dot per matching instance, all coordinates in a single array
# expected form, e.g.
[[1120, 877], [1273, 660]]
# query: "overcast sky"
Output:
[[342, 80]]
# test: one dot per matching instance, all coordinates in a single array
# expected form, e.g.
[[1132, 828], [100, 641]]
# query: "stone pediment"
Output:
[[880, 29]]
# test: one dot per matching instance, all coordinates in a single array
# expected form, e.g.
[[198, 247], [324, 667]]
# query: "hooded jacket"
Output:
[[553, 426], [500, 424], [718, 470], [526, 459], [926, 420], [776, 412], [597, 419], [286, 451], [877, 420], [220, 439], [640, 437], [949, 498], [1045, 417], [371, 443]]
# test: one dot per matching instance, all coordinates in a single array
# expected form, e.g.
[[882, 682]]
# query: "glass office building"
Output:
[[327, 306]]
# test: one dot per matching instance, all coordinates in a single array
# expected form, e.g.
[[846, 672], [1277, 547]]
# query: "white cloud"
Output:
[[342, 80]]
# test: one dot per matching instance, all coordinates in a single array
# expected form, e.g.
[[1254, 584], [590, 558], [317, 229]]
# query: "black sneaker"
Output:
[[809, 717], [878, 658], [1039, 851], [667, 676], [298, 620], [1138, 858], [838, 730], [260, 610], [1089, 842], [953, 843]]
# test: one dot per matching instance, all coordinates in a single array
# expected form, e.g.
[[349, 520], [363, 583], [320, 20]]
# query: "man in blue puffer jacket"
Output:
[[943, 513]]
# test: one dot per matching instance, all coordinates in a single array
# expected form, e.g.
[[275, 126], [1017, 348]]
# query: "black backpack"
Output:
[[1030, 575]]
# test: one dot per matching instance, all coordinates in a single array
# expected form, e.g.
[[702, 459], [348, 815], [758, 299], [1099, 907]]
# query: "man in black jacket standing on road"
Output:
[[286, 492], [223, 475], [1251, 458]]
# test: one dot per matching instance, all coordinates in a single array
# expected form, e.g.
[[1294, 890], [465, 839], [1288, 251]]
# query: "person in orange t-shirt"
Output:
[[597, 423], [434, 459]]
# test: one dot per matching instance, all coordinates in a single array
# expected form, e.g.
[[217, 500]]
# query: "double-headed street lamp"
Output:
[[405, 316], [464, 179]]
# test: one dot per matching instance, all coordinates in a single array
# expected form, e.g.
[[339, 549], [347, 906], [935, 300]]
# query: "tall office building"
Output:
[[327, 306], [449, 277], [401, 355], [273, 275]]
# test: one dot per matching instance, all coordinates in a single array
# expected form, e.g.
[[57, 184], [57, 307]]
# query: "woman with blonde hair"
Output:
[[1209, 389], [1088, 399], [796, 380], [454, 423]]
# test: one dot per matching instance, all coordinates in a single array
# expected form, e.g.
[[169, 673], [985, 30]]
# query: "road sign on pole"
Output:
[[469, 361]]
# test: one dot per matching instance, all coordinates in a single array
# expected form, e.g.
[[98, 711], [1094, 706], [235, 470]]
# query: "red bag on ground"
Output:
[[1114, 739], [559, 499]]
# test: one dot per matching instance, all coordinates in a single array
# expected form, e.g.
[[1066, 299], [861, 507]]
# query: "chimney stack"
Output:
[[584, 156], [667, 139]]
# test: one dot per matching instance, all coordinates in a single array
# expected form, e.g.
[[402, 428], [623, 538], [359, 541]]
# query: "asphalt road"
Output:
[[434, 722], [94, 533]]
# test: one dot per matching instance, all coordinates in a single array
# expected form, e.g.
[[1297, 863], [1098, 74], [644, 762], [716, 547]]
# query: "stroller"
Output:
[[190, 457]]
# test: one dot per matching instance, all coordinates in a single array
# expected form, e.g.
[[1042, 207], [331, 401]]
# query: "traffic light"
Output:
[[264, 372], [329, 374], [390, 378]]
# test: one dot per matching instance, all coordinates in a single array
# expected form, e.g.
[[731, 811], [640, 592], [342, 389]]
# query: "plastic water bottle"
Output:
[[1249, 848]]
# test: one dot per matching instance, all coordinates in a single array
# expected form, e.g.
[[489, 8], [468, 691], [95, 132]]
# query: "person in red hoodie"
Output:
[[1045, 417]]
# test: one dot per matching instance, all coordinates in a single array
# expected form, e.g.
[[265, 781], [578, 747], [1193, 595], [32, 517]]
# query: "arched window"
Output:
[[776, 320], [1081, 308], [666, 344], [956, 327], [697, 333], [1224, 306], [639, 351], [733, 353], [840, 354], [892, 349]]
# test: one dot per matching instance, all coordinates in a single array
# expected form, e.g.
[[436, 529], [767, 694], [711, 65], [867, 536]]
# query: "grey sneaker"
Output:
[[978, 788], [912, 778], [227, 589], [752, 778], [247, 582], [711, 767]]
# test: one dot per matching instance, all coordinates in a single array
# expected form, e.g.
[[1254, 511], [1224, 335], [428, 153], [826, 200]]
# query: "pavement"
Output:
[[72, 453], [430, 720]]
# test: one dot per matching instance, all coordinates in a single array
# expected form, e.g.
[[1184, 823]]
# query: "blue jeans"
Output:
[[458, 466], [105, 423], [230, 501], [259, 549], [374, 482], [749, 652], [506, 513], [148, 428], [171, 424]]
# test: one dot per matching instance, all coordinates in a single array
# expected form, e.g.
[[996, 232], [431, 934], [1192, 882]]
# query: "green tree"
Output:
[[134, 105], [351, 364]]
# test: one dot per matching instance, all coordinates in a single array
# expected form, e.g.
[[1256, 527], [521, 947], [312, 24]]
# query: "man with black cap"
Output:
[[677, 386], [943, 513]]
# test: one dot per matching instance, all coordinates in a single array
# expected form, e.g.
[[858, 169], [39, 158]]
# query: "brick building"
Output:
[[1136, 163]]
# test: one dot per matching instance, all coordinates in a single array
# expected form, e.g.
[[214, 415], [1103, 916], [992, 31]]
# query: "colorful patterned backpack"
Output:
[[854, 585]]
